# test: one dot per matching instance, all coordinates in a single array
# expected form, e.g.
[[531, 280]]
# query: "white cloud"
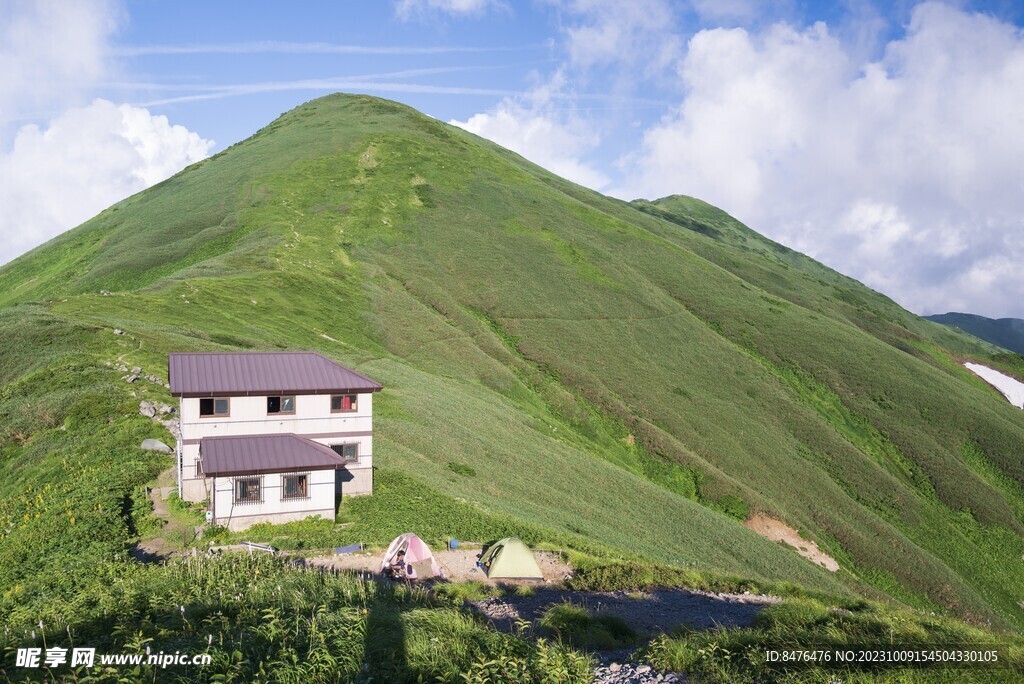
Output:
[[610, 43], [905, 172], [50, 52], [409, 8], [538, 136], [639, 33], [55, 175], [85, 160]]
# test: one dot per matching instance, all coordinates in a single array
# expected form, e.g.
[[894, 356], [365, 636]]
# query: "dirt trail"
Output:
[[157, 548], [776, 530]]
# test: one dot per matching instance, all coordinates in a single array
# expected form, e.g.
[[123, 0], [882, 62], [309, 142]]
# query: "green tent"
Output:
[[512, 559]]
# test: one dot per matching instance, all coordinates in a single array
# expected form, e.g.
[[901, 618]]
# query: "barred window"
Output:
[[249, 490], [295, 487]]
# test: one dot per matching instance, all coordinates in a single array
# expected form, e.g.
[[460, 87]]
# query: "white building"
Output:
[[271, 436]]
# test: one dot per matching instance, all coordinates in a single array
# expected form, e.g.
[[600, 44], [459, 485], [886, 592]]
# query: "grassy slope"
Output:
[[604, 368]]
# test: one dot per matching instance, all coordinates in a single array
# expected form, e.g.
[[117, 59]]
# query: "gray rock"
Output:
[[156, 445], [136, 370], [147, 409], [131, 378], [118, 331], [614, 667]]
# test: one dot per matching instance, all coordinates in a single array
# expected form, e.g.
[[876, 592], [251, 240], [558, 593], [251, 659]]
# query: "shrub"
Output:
[[459, 592], [575, 626], [461, 469]]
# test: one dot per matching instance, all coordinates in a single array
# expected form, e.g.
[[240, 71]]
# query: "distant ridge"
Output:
[[1006, 332]]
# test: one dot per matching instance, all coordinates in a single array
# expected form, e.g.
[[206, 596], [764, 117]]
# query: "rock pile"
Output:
[[633, 673]]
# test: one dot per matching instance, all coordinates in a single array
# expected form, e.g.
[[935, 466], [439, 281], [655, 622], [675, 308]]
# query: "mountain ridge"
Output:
[[1004, 332], [638, 374]]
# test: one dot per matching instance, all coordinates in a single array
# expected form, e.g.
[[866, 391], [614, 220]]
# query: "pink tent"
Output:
[[419, 561]]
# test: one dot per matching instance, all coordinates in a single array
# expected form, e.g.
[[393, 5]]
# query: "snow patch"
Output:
[[1012, 389]]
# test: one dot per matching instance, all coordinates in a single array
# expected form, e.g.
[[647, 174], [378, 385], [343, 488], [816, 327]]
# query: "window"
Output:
[[349, 452], [214, 407], [295, 487], [342, 403], [249, 490], [280, 405]]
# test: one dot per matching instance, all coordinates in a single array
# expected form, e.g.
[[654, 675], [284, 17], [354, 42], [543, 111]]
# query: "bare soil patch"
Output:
[[776, 530]]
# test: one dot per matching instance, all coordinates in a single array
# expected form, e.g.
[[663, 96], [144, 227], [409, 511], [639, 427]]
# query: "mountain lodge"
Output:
[[271, 436]]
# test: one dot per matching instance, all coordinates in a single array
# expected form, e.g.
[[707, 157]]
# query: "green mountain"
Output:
[[634, 378], [1004, 332]]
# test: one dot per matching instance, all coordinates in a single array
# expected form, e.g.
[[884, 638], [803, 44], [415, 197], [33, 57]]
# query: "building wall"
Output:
[[248, 416], [238, 516], [355, 481]]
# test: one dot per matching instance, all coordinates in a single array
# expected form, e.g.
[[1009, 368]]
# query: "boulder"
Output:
[[156, 445]]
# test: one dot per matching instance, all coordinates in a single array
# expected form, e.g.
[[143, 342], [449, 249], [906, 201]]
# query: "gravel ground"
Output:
[[614, 672], [645, 612]]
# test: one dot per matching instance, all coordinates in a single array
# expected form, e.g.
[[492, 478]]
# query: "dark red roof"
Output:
[[244, 373], [254, 454]]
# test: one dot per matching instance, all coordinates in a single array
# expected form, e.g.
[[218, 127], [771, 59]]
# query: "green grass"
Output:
[[461, 592], [258, 615], [576, 626], [623, 379], [739, 654]]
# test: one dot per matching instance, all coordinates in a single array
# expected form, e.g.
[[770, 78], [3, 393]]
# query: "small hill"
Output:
[[1004, 332], [634, 378]]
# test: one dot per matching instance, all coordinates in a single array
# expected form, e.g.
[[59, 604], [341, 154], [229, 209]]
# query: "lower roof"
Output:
[[257, 454]]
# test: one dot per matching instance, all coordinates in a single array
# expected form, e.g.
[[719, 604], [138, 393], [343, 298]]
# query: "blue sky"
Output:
[[883, 138]]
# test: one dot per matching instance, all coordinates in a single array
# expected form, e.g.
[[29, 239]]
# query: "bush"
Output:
[[458, 592], [574, 625], [461, 469], [792, 613]]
